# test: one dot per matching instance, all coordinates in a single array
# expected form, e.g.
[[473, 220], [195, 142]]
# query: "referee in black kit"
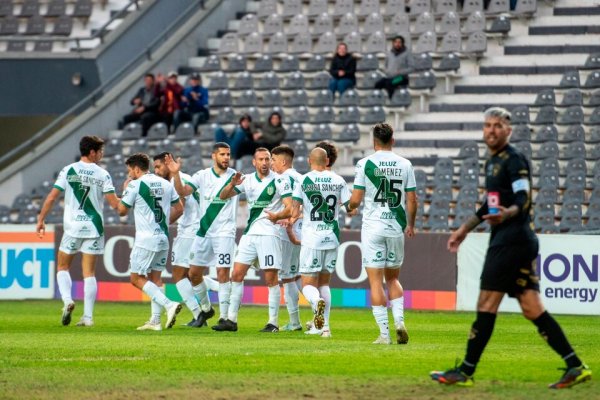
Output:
[[510, 260]]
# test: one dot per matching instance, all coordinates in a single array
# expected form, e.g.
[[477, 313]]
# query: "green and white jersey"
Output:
[[216, 217], [85, 185], [294, 178], [385, 177], [321, 194], [264, 195], [151, 198], [188, 223]]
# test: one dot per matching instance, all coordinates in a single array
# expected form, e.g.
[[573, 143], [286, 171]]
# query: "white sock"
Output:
[[381, 317], [211, 284], [398, 310], [274, 301], [224, 294], [184, 287], [63, 278], [156, 309], [202, 292], [156, 294], [235, 300], [90, 288], [312, 295], [291, 296], [325, 292]]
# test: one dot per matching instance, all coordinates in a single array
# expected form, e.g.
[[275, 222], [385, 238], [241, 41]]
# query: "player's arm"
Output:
[[290, 232], [128, 198], [357, 197], [283, 214], [518, 172], [458, 236], [122, 209], [176, 211], [112, 200], [174, 167], [230, 189], [46, 207], [411, 211]]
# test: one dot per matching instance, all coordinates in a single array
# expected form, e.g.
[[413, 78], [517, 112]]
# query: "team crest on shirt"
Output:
[[378, 254], [392, 255], [270, 190], [315, 261]]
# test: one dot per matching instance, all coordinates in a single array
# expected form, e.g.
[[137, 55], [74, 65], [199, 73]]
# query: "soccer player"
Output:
[[509, 266], [156, 205], [214, 242], [187, 226], [320, 192], [84, 184], [386, 182], [269, 200], [283, 159]]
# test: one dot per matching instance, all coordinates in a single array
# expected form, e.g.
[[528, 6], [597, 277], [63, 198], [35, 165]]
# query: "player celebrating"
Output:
[[320, 192], [186, 231], [156, 205], [283, 159], [84, 184], [386, 181], [510, 260], [214, 242], [269, 200]]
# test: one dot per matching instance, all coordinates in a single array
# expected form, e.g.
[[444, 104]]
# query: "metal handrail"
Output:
[[99, 34], [90, 100]]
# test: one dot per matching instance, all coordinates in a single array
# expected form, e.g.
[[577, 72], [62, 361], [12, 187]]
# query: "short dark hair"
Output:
[[331, 150], [284, 150], [149, 75], [245, 116], [259, 149], [140, 160], [220, 145], [89, 143], [383, 133], [399, 37], [162, 156]]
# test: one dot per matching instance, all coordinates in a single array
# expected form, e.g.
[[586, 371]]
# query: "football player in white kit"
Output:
[[214, 240], [321, 193], [85, 185], [156, 205], [187, 225], [283, 159], [386, 182], [269, 200]]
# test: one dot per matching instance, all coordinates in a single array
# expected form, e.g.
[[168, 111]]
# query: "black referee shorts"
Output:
[[511, 269]]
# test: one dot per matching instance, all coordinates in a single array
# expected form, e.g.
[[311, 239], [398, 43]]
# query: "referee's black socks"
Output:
[[481, 331], [553, 334]]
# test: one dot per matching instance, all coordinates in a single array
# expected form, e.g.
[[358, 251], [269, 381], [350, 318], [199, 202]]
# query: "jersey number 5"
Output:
[[389, 192]]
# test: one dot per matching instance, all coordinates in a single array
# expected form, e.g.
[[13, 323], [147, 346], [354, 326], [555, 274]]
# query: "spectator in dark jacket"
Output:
[[397, 67], [271, 134], [342, 70], [241, 140], [145, 105], [172, 99], [195, 103]]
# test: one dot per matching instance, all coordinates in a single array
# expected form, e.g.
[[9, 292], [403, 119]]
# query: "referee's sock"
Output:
[[481, 332], [553, 334]]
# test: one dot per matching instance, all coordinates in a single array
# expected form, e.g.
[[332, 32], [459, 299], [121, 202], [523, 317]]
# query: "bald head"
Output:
[[318, 158]]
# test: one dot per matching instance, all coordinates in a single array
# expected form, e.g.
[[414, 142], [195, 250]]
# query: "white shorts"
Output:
[[290, 254], [141, 261], [180, 253], [71, 245], [313, 261], [381, 251], [212, 251], [264, 249]]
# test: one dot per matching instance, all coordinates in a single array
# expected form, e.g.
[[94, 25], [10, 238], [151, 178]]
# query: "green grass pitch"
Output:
[[39, 358]]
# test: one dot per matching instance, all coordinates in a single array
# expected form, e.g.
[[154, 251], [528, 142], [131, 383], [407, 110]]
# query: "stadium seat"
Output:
[[244, 81], [468, 193], [295, 132], [83, 9], [9, 25], [469, 172], [520, 133], [248, 24], [30, 8], [298, 24], [348, 115], [570, 79], [544, 223], [418, 7], [229, 43], [574, 133], [548, 149], [451, 43], [221, 99], [291, 8], [347, 24], [353, 42], [525, 7], [577, 164], [373, 115], [323, 116], [113, 147], [444, 6], [321, 131], [320, 81], [342, 7], [212, 63], [441, 194], [450, 22], [546, 115], [401, 98], [545, 97], [425, 22], [132, 131], [302, 43], [373, 23], [500, 25], [373, 98], [300, 148], [297, 98], [264, 63], [315, 63], [476, 43], [520, 115], [246, 99], [298, 115], [272, 25], [218, 81], [546, 133], [572, 97], [368, 7], [278, 43], [322, 97], [350, 133], [294, 81], [438, 220], [368, 62], [593, 80], [546, 194], [237, 63], [469, 149], [375, 43], [63, 26], [158, 131], [225, 115], [269, 81], [443, 172], [267, 7], [572, 115], [576, 180], [423, 81], [498, 6], [326, 43], [475, 23], [594, 100], [349, 98], [185, 131], [16, 46], [594, 118], [422, 62], [6, 8], [470, 6], [574, 150], [524, 148], [272, 98], [317, 7], [323, 24], [400, 25], [549, 164], [450, 62]]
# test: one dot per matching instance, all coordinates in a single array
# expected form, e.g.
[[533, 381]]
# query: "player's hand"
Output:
[[271, 216], [409, 231], [495, 219], [40, 229], [237, 179], [353, 212], [456, 238], [284, 222], [173, 165]]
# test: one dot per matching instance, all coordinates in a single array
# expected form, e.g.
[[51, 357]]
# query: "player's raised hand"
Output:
[[237, 178], [174, 166]]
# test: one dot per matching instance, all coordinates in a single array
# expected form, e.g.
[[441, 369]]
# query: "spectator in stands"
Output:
[[195, 103], [172, 99], [342, 70], [241, 140], [397, 67], [145, 105], [271, 134]]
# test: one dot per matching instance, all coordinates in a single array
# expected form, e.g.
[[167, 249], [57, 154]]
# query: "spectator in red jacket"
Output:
[[172, 98]]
